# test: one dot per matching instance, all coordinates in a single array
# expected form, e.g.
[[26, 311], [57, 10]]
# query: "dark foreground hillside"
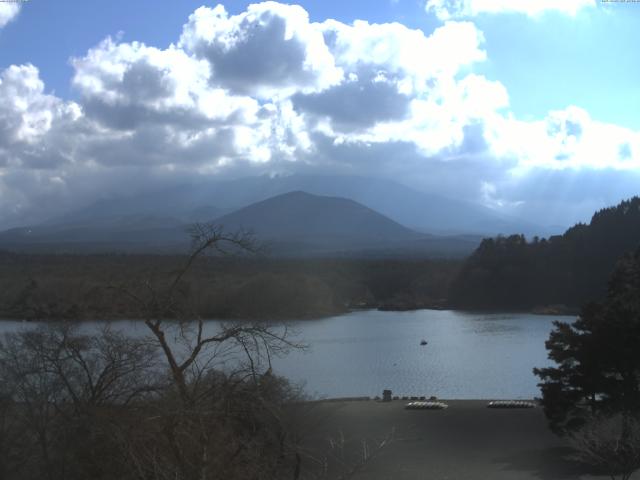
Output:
[[84, 286], [569, 269]]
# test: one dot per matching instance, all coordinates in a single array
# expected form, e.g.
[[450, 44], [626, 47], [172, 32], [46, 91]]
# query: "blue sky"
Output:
[[549, 63], [477, 99]]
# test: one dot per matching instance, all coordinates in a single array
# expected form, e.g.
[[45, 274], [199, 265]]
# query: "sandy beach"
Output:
[[465, 441]]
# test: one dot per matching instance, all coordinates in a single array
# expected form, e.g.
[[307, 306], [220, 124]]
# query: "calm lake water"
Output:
[[468, 355]]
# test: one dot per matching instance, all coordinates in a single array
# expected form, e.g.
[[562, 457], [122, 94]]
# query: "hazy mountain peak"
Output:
[[299, 214]]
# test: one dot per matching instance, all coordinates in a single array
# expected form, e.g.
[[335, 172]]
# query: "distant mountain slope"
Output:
[[299, 215], [179, 204], [292, 224], [569, 269], [417, 210], [301, 224], [110, 233], [421, 211]]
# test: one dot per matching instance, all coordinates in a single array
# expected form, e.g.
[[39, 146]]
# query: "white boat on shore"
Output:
[[426, 406], [511, 404]]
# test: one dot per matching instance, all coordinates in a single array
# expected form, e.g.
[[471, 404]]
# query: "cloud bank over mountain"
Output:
[[269, 91]]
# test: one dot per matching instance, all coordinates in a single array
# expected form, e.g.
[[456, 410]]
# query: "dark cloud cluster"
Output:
[[365, 99]]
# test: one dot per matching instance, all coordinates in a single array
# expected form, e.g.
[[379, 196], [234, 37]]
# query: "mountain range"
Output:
[[415, 209], [292, 224], [296, 214]]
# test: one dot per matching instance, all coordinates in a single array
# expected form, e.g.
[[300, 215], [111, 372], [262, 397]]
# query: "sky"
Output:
[[530, 107]]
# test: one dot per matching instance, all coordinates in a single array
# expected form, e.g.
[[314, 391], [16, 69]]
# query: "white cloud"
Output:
[[38, 137], [127, 84], [27, 114], [447, 9], [400, 85], [566, 140], [8, 11], [270, 49], [406, 51], [159, 108]]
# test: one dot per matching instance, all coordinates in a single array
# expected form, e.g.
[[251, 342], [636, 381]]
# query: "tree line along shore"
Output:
[[77, 287]]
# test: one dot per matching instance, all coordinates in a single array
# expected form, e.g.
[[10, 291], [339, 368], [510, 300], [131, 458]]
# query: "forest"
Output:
[[559, 273], [77, 287]]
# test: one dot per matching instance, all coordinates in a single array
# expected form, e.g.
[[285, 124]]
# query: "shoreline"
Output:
[[542, 311], [414, 398]]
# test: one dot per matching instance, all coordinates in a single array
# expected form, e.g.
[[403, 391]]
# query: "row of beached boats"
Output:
[[430, 405]]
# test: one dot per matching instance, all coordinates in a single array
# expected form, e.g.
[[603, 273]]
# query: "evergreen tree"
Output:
[[569, 269], [597, 356]]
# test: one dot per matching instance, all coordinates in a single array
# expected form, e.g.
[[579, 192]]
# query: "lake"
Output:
[[467, 356]]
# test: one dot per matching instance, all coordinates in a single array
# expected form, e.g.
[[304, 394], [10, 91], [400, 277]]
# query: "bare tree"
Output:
[[611, 444], [61, 387], [225, 414], [343, 458]]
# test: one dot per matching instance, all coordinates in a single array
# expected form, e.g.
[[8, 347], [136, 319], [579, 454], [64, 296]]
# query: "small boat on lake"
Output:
[[423, 342]]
